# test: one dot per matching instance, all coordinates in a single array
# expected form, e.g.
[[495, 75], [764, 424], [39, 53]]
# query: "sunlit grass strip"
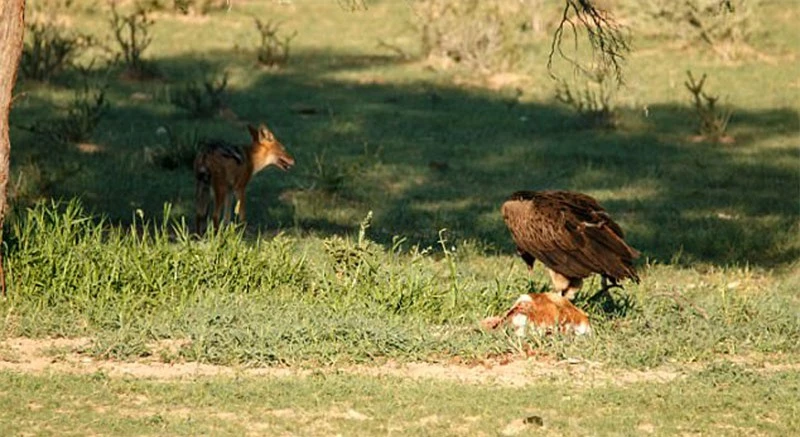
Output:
[[724, 399], [268, 301]]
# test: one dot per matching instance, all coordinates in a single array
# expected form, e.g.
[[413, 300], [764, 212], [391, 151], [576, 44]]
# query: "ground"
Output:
[[54, 387], [351, 303]]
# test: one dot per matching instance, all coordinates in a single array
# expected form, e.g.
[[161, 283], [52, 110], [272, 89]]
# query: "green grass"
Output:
[[720, 400], [92, 250], [382, 121], [289, 300], [423, 154]]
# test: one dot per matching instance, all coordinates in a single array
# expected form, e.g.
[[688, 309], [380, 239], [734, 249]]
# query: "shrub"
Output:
[[185, 7], [204, 98], [82, 115], [273, 50], [201, 7], [328, 176], [483, 35], [178, 152], [132, 35], [712, 122], [35, 181], [723, 26], [49, 49], [340, 175], [594, 101]]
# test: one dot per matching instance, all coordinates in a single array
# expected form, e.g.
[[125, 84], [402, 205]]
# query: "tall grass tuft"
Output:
[[231, 300]]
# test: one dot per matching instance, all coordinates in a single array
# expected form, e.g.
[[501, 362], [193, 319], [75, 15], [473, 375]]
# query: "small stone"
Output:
[[534, 420]]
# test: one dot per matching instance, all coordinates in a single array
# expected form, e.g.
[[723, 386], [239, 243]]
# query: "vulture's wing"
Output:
[[569, 233]]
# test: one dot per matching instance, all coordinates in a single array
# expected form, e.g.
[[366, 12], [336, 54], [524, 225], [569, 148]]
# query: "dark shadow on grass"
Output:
[[424, 157]]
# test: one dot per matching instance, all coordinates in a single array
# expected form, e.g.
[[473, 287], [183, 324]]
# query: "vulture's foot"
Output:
[[604, 291]]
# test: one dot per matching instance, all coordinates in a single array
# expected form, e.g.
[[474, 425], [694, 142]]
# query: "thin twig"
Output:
[[402, 53], [678, 297], [604, 34]]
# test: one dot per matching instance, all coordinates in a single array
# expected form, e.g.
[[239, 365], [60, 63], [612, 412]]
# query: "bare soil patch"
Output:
[[63, 355]]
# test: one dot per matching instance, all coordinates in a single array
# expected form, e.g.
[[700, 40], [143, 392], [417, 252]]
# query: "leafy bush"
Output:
[[353, 259]]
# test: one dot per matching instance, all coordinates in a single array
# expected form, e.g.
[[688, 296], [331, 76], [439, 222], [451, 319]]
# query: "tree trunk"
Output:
[[12, 14]]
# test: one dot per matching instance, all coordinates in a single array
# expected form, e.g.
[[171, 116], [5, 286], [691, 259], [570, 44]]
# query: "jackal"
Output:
[[226, 169]]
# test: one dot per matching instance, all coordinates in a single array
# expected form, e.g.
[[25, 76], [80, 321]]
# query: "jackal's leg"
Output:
[[202, 199], [568, 287], [240, 209], [227, 214], [219, 202]]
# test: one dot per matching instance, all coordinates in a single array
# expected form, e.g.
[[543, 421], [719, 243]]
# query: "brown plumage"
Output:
[[572, 235]]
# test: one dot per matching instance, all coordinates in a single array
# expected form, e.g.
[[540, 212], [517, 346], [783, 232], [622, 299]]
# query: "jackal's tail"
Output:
[[202, 194]]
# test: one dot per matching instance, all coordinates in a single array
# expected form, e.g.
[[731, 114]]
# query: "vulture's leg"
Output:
[[605, 286], [567, 287], [575, 285], [529, 261]]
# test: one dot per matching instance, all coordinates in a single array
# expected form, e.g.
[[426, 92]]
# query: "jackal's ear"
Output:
[[253, 132], [264, 134]]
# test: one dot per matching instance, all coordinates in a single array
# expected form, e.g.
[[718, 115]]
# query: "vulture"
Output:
[[572, 235]]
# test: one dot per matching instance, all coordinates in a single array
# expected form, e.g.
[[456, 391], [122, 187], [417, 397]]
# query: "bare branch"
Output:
[[605, 35]]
